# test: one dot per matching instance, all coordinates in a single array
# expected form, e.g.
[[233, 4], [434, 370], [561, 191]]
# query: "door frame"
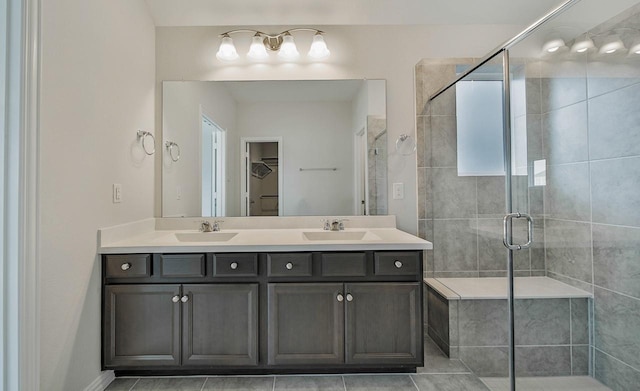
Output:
[[245, 176], [361, 174], [220, 182]]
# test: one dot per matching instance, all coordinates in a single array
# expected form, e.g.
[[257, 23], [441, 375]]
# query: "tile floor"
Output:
[[560, 383], [439, 374]]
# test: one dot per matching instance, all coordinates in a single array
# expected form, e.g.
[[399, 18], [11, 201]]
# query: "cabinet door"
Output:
[[306, 324], [141, 325], [220, 324], [384, 323]]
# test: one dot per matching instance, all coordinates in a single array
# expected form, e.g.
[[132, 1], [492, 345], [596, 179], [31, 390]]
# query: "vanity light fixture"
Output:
[[282, 43], [635, 47], [227, 51], [612, 44], [583, 45], [553, 45]]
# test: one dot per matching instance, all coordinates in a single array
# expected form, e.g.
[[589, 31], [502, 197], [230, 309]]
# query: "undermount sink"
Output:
[[340, 235], [205, 236]]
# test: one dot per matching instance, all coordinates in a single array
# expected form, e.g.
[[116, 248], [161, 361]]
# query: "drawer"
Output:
[[289, 265], [344, 265], [182, 265], [404, 263], [235, 265], [129, 265]]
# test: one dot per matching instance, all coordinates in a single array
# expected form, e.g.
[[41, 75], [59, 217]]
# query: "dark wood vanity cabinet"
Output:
[[150, 325], [141, 325], [263, 312], [359, 323], [306, 324]]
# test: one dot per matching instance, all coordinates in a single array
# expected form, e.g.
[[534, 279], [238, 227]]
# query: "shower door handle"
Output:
[[506, 239]]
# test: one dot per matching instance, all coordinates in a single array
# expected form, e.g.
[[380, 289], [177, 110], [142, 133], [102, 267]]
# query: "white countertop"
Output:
[[496, 288], [145, 237]]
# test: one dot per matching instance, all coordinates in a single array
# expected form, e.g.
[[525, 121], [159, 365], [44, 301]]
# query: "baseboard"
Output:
[[101, 382]]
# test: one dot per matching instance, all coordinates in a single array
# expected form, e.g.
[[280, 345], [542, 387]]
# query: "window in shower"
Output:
[[479, 122]]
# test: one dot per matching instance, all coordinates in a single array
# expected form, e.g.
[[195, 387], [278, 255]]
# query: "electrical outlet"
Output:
[[117, 193], [398, 191]]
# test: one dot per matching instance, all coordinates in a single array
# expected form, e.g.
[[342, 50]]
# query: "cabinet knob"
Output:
[[398, 264], [234, 265], [340, 298], [184, 298], [175, 298], [289, 265], [125, 266], [349, 297]]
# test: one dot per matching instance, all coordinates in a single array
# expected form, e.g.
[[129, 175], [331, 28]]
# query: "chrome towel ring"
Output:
[[142, 136], [405, 145], [173, 149]]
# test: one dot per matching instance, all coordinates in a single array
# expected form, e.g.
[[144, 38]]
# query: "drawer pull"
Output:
[[234, 265], [349, 297], [289, 265], [340, 298], [175, 298], [125, 266], [398, 264], [184, 299]]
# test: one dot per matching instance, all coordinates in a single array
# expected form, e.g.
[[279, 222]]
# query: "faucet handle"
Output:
[[341, 224], [326, 225], [205, 226], [216, 225]]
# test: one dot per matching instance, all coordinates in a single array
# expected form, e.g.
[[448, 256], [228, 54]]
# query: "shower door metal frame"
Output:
[[508, 232]]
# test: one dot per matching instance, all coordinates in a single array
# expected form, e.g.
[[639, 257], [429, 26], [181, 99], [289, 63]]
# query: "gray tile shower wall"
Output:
[[591, 140], [552, 335], [462, 215]]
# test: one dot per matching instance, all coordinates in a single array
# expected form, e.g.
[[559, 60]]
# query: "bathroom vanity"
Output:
[[329, 303]]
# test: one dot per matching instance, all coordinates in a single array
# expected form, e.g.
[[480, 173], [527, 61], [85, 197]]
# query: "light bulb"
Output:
[[612, 44], [583, 45], [227, 51], [318, 48], [288, 50], [553, 45], [257, 51], [635, 47]]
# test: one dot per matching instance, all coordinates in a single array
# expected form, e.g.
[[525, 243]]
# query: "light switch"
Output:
[[117, 193], [398, 191]]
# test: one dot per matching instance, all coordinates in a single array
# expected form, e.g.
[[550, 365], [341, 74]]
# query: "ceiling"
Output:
[[346, 12]]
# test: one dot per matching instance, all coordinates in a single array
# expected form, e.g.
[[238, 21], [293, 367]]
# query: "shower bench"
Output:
[[468, 319]]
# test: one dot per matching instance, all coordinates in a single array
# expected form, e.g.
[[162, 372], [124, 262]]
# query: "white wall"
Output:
[[372, 52], [310, 139], [98, 89], [182, 102]]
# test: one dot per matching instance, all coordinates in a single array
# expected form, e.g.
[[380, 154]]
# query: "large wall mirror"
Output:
[[274, 148]]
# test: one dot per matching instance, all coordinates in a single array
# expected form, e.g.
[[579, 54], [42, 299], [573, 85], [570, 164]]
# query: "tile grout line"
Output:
[[344, 383], [570, 337], [134, 384], [414, 383], [205, 382]]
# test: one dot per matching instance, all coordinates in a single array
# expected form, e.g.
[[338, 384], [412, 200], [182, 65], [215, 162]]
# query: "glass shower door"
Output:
[[464, 206]]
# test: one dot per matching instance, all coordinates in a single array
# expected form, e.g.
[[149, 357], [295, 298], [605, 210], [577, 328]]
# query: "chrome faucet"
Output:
[[337, 224], [207, 226]]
